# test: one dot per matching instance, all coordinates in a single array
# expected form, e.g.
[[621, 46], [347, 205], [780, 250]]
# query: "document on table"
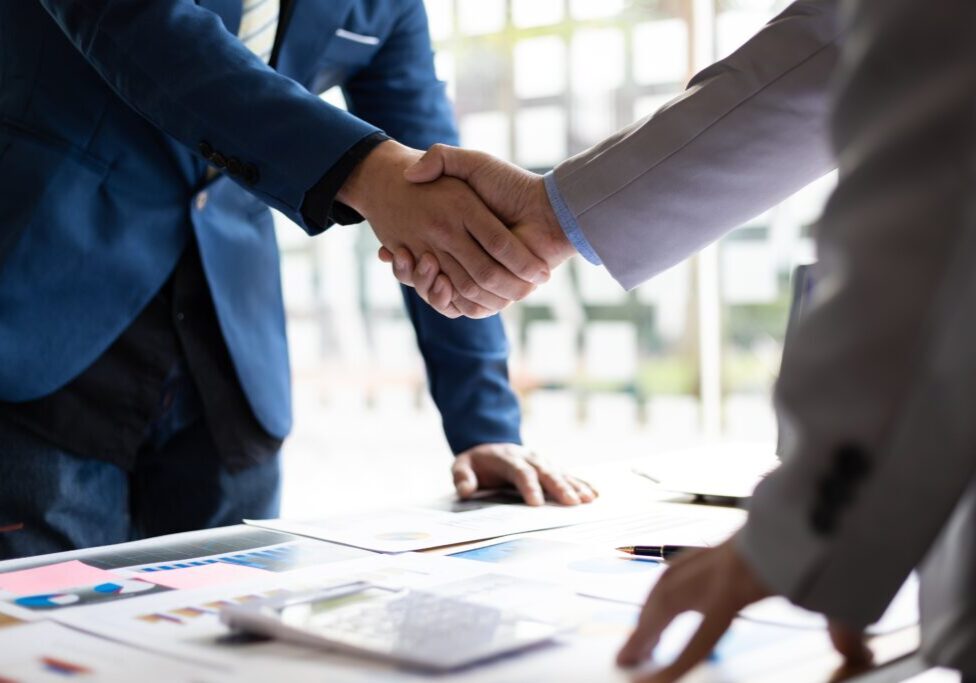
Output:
[[723, 469], [186, 624], [584, 557], [901, 613], [44, 589], [404, 529], [47, 651], [657, 524]]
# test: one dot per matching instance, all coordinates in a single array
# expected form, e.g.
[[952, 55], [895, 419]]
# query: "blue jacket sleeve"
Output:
[[467, 369], [177, 65], [467, 360]]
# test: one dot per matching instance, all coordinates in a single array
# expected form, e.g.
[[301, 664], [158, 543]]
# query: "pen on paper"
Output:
[[656, 552]]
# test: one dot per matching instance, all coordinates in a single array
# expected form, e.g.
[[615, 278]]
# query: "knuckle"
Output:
[[545, 471], [466, 308], [440, 227], [523, 289], [490, 276], [499, 243], [469, 289]]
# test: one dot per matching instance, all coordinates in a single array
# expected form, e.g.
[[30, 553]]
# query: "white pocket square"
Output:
[[357, 37]]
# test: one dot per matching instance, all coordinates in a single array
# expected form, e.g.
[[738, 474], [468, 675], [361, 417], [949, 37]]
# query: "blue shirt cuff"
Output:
[[574, 233]]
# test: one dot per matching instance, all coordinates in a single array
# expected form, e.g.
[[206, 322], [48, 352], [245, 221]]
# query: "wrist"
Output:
[[557, 246], [368, 180]]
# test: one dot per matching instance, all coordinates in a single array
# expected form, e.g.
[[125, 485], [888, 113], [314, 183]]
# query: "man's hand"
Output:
[[483, 262], [715, 582], [514, 195], [493, 465], [852, 646]]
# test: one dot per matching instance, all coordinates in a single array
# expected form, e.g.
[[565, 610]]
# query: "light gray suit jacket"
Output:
[[879, 383]]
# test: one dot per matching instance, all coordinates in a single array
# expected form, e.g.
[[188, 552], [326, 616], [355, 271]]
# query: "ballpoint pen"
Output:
[[656, 552]]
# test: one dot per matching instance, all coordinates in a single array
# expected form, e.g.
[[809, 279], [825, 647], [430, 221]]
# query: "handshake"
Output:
[[470, 232]]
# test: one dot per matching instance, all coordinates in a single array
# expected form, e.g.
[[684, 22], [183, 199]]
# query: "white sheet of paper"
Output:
[[405, 529], [46, 651], [658, 523], [727, 469], [584, 556], [589, 570], [186, 624], [901, 613]]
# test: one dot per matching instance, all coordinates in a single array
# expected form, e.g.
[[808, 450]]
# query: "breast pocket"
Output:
[[344, 55], [348, 47]]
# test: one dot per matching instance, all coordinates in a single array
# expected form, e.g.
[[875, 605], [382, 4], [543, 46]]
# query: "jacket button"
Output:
[[823, 520], [835, 490], [250, 174], [235, 167], [851, 460], [206, 149], [201, 201]]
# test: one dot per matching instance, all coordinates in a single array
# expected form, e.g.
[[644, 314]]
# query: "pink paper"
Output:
[[54, 577], [216, 574]]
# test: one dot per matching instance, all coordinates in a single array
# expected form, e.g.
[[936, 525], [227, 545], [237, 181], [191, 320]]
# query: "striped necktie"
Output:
[[259, 25]]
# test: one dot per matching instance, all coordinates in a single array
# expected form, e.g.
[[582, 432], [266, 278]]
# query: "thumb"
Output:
[[465, 480], [429, 167], [445, 160]]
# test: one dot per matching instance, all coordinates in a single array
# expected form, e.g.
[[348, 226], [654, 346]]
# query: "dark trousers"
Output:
[[64, 501]]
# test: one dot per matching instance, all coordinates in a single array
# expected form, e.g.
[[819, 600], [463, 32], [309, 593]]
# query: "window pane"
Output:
[[598, 60], [477, 17], [526, 13], [446, 68], [540, 136], [488, 131], [594, 118], [661, 52], [734, 27], [540, 67], [595, 9], [748, 268], [483, 82], [610, 351], [440, 15]]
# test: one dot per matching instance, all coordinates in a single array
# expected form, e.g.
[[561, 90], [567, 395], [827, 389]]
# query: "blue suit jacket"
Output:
[[103, 107]]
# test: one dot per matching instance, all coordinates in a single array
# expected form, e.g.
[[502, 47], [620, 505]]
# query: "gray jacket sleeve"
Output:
[[749, 131], [879, 382]]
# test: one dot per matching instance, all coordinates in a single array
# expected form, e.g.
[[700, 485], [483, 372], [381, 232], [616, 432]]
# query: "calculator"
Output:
[[420, 629]]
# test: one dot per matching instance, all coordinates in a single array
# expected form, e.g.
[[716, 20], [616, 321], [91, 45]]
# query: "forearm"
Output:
[[467, 370], [749, 131]]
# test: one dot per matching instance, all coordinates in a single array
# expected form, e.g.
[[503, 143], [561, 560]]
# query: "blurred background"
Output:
[[603, 374]]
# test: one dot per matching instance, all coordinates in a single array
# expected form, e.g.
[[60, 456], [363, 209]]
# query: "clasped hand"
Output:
[[470, 232]]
